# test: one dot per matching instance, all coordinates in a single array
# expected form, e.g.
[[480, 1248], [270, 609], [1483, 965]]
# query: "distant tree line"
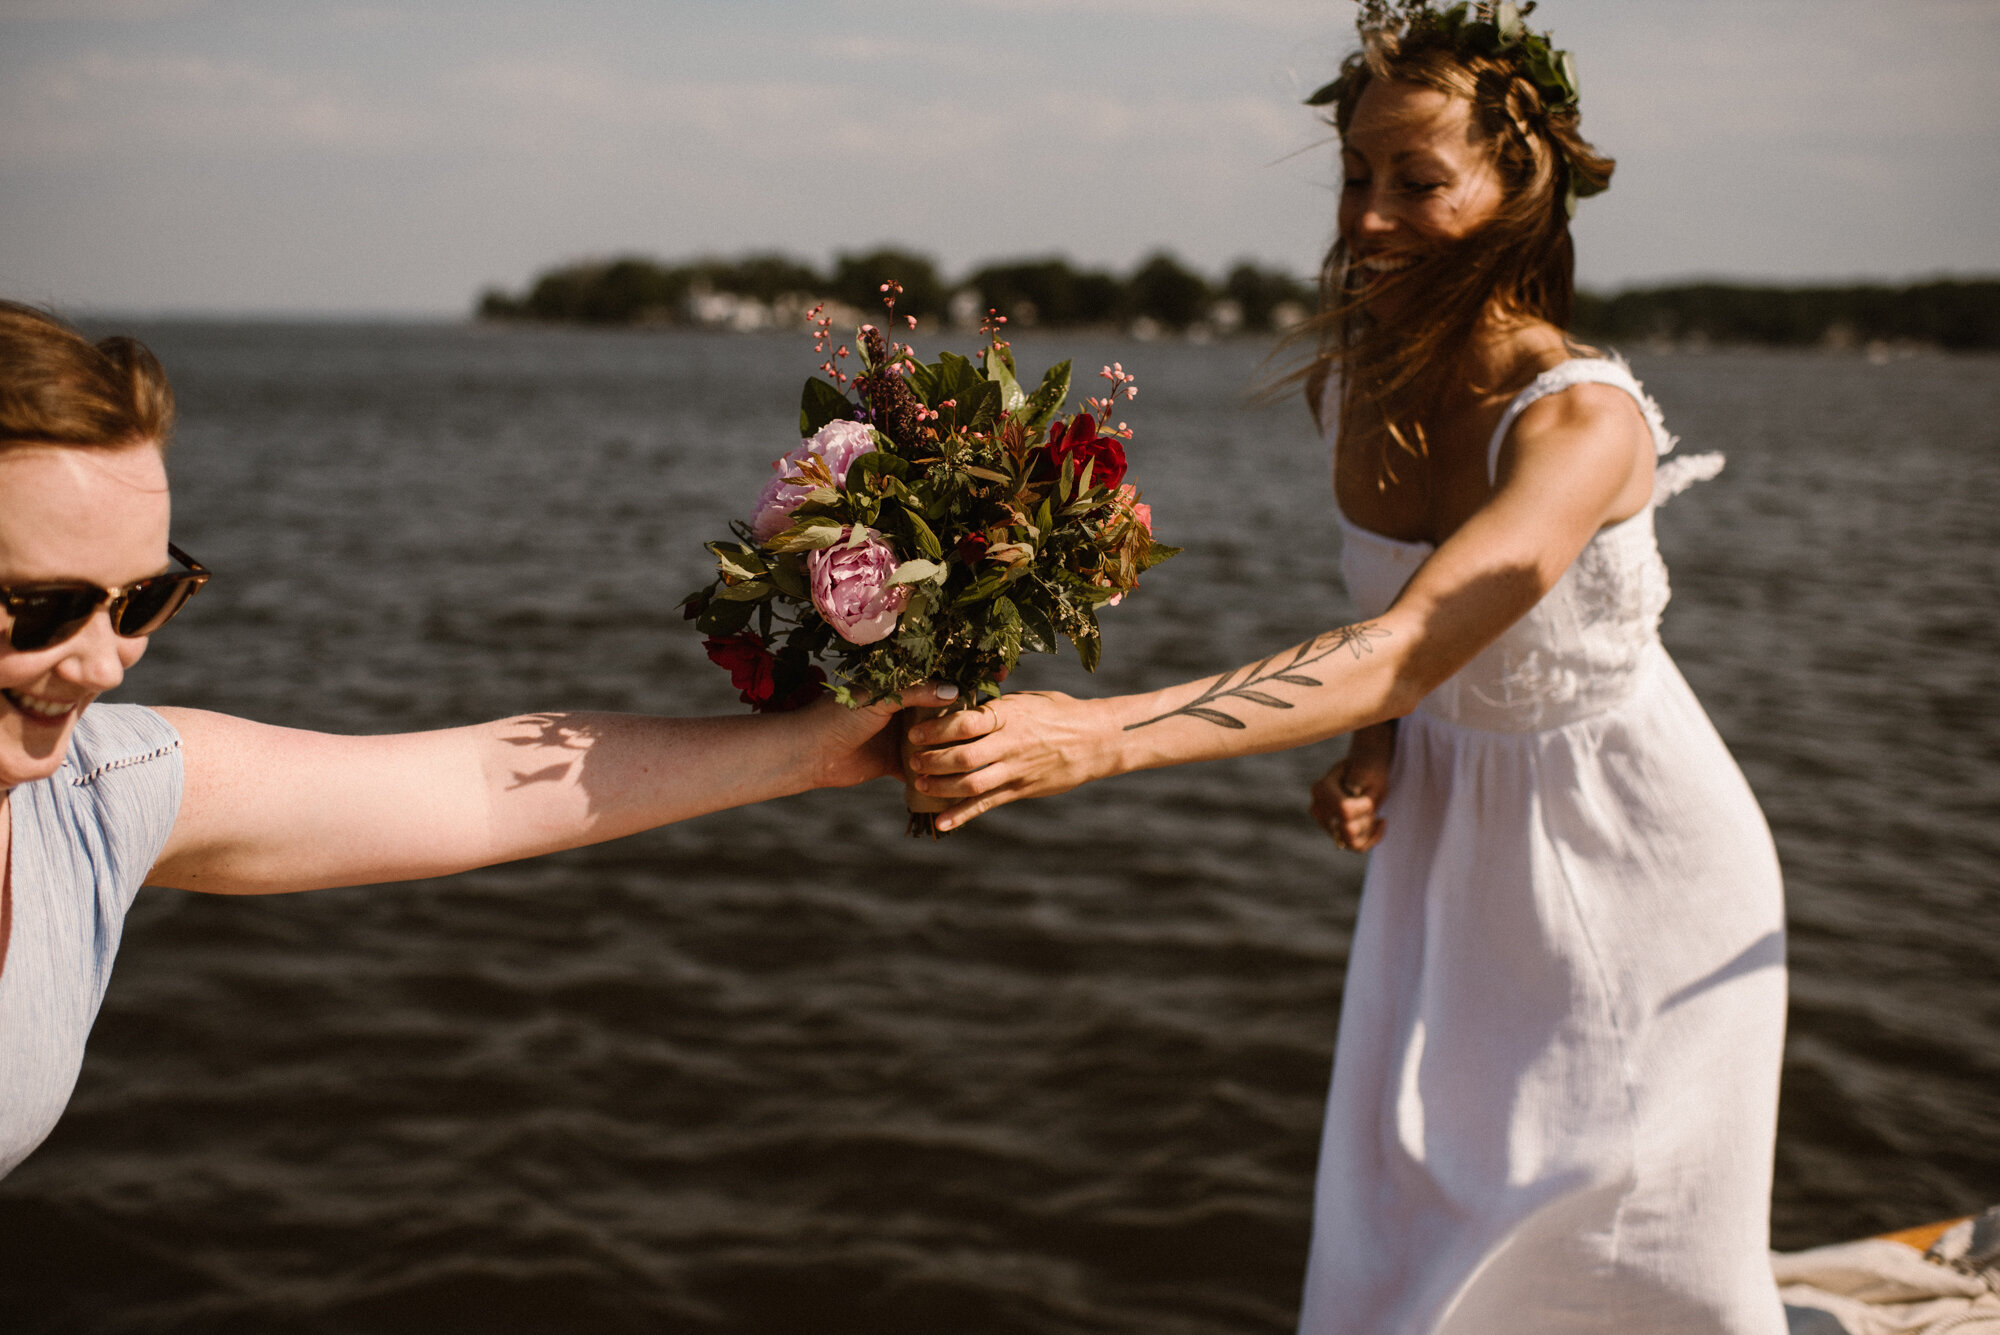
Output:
[[771, 288], [1161, 293], [1959, 315]]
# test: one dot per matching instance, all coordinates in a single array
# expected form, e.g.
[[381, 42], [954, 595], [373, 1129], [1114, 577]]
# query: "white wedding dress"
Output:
[[1555, 1087]]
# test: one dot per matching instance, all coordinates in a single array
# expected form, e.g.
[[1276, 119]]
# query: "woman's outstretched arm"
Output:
[[267, 810], [1576, 461]]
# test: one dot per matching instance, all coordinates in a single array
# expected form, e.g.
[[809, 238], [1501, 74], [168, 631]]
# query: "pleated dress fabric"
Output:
[[1555, 1084]]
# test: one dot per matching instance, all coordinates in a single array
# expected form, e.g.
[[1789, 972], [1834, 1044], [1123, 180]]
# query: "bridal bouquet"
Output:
[[935, 522]]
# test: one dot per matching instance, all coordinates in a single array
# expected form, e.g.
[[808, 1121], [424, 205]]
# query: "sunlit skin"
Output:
[[69, 514], [1413, 174], [1416, 175]]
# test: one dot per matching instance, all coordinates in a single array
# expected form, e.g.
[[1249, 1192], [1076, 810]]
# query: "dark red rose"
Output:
[[971, 548], [1077, 440], [802, 692], [752, 670]]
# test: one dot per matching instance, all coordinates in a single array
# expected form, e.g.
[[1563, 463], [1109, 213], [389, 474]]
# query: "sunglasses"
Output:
[[44, 614]]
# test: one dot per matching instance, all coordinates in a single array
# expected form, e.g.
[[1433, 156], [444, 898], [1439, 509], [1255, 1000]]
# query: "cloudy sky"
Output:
[[322, 156]]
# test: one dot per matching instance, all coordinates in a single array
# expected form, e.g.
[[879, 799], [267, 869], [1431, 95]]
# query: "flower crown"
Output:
[[1486, 29]]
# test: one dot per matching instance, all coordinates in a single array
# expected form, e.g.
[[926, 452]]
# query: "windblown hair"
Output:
[[58, 388], [1520, 264]]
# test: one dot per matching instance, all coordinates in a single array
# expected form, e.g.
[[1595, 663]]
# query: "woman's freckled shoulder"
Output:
[[1587, 411]]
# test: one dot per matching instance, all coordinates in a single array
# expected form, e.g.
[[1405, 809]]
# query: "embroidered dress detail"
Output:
[[158, 753]]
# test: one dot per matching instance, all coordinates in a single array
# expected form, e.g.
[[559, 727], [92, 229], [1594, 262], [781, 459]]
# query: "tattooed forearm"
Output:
[[1247, 683]]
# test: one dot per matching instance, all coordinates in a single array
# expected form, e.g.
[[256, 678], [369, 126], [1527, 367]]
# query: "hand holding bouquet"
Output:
[[936, 522]]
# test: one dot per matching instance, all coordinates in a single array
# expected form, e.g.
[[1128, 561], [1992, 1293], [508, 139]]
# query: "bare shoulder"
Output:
[[198, 724], [222, 753], [1590, 425], [1588, 442], [1588, 408], [205, 733]]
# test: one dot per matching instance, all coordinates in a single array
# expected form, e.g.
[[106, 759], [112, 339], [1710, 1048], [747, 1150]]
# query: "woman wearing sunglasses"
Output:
[[96, 800]]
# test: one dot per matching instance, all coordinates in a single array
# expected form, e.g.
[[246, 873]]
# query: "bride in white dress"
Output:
[[1555, 1086]]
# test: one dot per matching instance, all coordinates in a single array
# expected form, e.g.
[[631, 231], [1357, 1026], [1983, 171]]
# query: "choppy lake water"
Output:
[[782, 1069]]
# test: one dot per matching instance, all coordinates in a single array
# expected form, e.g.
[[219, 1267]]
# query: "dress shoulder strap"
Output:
[[1578, 371]]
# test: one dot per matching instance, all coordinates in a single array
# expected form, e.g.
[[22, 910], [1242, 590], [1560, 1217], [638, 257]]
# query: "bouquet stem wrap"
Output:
[[923, 808]]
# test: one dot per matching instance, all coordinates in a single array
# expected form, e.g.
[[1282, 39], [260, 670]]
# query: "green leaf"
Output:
[[914, 572], [1089, 647], [1158, 552], [927, 541], [722, 619], [1324, 94], [1038, 628], [808, 535], [878, 463], [981, 589], [923, 382], [1047, 400], [956, 378], [750, 591], [1044, 519], [979, 406], [819, 404], [1000, 370], [986, 473], [788, 572], [737, 561]]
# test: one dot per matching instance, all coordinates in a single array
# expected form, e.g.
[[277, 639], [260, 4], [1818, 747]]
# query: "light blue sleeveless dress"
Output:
[[83, 840], [1555, 1087]]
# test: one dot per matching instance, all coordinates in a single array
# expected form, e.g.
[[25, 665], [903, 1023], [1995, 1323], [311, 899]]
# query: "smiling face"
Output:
[[1415, 176], [72, 514]]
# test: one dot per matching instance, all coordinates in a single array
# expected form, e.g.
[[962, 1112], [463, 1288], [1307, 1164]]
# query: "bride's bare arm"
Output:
[[267, 810], [1577, 460]]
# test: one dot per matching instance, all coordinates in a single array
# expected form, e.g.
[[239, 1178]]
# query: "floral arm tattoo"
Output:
[[1246, 683]]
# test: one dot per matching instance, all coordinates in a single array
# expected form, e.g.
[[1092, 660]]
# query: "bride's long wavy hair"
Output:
[[1520, 264]]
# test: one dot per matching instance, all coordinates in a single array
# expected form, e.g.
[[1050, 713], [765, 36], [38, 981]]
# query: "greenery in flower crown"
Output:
[[1487, 29]]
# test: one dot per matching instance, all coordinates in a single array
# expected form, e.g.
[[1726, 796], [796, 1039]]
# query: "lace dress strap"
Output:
[[1578, 371]]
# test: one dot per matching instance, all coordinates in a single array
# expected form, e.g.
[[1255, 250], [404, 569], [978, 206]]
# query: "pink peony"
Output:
[[850, 587], [838, 444]]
